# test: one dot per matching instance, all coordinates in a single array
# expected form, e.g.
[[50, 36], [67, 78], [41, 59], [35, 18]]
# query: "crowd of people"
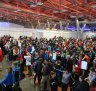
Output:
[[56, 62]]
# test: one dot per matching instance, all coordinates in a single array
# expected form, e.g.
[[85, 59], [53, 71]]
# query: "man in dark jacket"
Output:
[[54, 82], [83, 85], [46, 73], [38, 71]]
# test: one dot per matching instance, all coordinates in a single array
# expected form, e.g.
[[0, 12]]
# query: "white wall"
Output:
[[16, 32], [10, 25], [89, 34], [64, 34]]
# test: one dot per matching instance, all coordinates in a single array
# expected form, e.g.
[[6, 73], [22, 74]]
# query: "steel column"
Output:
[[78, 28], [66, 26], [82, 30]]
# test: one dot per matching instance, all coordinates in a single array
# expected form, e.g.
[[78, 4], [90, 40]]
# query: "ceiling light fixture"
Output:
[[33, 5], [63, 11], [93, 6], [15, 17], [80, 16], [39, 3], [17, 10], [55, 11], [59, 11], [72, 16]]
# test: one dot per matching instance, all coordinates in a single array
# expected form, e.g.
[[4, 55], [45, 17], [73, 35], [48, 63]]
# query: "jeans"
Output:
[[39, 75], [17, 78]]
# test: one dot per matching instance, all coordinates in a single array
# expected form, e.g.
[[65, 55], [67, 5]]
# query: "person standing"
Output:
[[65, 80], [1, 58], [46, 75], [8, 80], [83, 85], [54, 82], [38, 71], [93, 85], [15, 53], [92, 75]]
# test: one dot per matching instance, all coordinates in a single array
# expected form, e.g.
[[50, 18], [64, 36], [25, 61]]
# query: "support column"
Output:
[[32, 26], [78, 28], [48, 24], [45, 26], [82, 30], [39, 24], [61, 26], [66, 26], [54, 26]]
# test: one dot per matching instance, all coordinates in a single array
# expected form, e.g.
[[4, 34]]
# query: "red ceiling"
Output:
[[49, 9]]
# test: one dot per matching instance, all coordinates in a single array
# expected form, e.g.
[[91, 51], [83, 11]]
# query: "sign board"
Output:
[[84, 65], [28, 60]]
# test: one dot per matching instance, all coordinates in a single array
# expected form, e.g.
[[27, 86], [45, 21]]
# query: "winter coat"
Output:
[[1, 55]]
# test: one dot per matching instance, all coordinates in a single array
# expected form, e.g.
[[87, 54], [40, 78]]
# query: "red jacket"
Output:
[[78, 69], [93, 89], [1, 55]]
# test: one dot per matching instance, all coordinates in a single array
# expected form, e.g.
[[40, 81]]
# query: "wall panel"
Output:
[[89, 34], [16, 32]]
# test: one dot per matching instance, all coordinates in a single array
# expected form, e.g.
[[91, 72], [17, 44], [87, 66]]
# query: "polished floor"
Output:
[[26, 84]]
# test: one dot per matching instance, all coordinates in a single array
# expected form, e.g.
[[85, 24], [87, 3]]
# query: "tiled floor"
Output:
[[26, 84]]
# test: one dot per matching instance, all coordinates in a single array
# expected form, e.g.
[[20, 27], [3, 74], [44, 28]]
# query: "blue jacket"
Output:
[[46, 56], [15, 79], [29, 49], [8, 80]]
